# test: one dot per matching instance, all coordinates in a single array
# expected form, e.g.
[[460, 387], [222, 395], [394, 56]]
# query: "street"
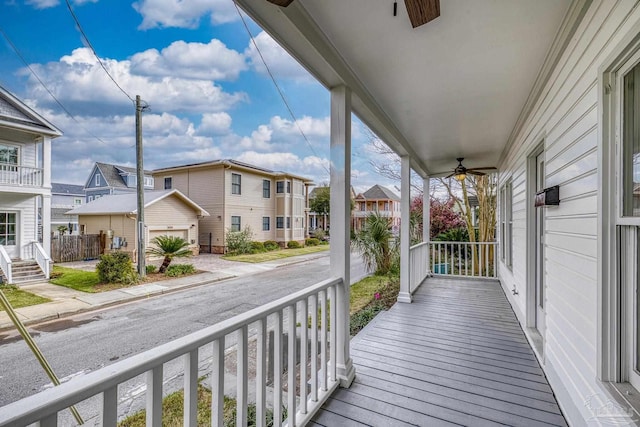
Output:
[[86, 342]]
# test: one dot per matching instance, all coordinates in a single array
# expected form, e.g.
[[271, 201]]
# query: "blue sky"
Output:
[[193, 62]]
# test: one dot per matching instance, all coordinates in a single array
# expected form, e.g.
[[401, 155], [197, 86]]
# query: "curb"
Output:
[[133, 298]]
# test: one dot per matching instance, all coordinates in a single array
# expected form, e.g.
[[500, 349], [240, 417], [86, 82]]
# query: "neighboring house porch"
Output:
[[25, 190]]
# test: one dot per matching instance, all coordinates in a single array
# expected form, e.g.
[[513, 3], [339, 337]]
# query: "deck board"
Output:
[[455, 356]]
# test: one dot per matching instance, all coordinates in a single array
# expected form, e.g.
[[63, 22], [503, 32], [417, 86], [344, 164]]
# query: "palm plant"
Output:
[[375, 244], [169, 247]]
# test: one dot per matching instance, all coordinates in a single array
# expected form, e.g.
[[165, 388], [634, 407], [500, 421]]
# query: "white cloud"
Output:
[[78, 78], [311, 166], [280, 134], [215, 124], [46, 4], [168, 140], [281, 64], [42, 4], [211, 61], [183, 13]]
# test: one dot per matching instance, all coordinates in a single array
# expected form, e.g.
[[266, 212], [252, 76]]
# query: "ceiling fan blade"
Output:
[[482, 169], [473, 172], [421, 11], [450, 175], [281, 3]]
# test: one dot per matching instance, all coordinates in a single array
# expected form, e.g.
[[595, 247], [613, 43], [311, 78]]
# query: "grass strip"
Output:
[[85, 281], [19, 298], [274, 255]]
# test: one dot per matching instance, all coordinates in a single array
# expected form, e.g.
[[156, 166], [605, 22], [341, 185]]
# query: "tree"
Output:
[[321, 202], [443, 216], [375, 242], [169, 247]]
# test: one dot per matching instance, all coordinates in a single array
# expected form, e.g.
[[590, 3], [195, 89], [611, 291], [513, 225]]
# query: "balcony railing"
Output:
[[366, 213], [20, 175], [460, 259], [463, 259], [317, 368]]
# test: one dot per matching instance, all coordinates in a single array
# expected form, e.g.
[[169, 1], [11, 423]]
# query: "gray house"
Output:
[[63, 198], [106, 179]]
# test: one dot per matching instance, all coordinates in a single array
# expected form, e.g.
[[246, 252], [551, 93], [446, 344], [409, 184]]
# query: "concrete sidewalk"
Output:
[[66, 302]]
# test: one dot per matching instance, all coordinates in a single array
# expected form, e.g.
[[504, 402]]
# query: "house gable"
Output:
[[17, 115]]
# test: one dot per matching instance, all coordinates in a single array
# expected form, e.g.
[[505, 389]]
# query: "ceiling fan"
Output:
[[460, 172], [420, 11]]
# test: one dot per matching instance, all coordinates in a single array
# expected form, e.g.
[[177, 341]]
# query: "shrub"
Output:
[[239, 242], [320, 234], [151, 269], [176, 270], [324, 242], [116, 267], [271, 245], [312, 241], [293, 245], [257, 247], [169, 247], [360, 319], [459, 234]]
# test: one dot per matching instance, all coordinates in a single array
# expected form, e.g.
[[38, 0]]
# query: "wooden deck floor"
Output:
[[455, 356]]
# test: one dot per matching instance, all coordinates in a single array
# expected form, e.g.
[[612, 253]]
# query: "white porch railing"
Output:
[[464, 259], [418, 262], [317, 368], [5, 264], [41, 257], [20, 175]]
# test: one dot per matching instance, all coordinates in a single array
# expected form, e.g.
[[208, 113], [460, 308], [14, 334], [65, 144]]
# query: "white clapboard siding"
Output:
[[566, 120]]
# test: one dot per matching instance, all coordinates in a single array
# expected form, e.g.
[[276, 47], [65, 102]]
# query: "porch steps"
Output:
[[26, 271]]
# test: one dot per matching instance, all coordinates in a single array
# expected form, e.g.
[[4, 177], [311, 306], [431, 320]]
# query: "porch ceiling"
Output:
[[454, 87]]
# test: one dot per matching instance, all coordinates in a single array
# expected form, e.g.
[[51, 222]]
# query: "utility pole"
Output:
[[142, 271]]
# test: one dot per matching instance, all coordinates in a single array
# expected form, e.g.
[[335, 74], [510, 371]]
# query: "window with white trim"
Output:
[[236, 183], [168, 183], [235, 223], [9, 156], [8, 228], [266, 223], [266, 188], [506, 223], [279, 222]]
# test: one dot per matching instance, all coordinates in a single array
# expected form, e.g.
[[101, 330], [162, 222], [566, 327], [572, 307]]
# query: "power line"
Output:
[[86, 39], [24, 61], [275, 83]]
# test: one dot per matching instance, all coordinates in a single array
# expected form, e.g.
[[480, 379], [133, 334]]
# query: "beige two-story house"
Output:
[[377, 199], [239, 195]]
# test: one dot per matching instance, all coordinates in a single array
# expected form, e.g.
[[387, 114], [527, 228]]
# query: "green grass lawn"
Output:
[[274, 255], [85, 281], [362, 292], [19, 298], [173, 411]]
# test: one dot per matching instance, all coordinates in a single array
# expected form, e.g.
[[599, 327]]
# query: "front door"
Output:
[[539, 248], [9, 233]]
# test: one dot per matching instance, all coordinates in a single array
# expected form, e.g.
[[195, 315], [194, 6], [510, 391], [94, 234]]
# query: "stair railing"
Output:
[[42, 258], [5, 264]]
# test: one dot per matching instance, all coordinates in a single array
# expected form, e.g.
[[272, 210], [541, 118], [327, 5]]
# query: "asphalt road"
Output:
[[87, 342]]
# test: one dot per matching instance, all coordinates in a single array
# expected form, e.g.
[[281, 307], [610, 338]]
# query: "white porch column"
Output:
[[46, 199], [46, 224], [405, 240], [340, 205], [426, 209]]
